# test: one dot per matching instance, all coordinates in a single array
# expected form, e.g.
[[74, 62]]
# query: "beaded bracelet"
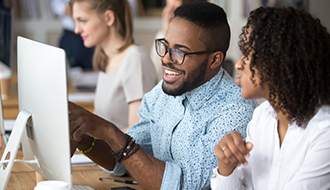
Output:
[[128, 149], [89, 149]]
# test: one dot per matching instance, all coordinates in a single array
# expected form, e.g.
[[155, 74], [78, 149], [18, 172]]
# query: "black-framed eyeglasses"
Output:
[[176, 55]]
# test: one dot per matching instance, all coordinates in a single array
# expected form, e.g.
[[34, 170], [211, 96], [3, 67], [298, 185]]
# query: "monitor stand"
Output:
[[10, 152]]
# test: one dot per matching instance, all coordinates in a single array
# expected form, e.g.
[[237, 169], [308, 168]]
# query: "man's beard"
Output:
[[193, 81]]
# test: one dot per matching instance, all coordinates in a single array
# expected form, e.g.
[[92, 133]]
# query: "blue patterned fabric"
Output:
[[183, 130]]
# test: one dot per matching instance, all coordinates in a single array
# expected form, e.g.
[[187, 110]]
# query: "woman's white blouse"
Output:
[[302, 162]]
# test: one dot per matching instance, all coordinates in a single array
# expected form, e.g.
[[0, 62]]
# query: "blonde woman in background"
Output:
[[126, 71]]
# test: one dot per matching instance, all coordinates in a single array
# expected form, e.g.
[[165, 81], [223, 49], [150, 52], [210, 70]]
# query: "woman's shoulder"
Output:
[[139, 56], [137, 50], [321, 118]]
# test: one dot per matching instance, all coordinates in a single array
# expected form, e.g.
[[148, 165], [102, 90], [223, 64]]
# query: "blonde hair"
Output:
[[123, 24]]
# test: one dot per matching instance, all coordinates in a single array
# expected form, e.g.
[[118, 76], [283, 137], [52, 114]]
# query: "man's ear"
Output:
[[217, 59], [109, 17]]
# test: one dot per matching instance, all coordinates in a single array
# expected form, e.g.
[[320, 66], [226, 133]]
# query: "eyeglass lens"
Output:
[[176, 55]]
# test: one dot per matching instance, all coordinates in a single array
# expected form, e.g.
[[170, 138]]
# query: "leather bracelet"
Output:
[[128, 149], [119, 152], [89, 149], [136, 148]]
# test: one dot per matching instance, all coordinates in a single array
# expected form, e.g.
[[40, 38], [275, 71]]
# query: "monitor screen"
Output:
[[42, 91]]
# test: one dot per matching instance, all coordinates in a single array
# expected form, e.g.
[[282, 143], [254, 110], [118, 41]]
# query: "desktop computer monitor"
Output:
[[42, 91]]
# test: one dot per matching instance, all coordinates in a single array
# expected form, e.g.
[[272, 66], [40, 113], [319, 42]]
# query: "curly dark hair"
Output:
[[291, 54], [212, 19]]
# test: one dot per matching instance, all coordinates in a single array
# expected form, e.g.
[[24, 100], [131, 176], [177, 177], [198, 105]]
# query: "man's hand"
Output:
[[84, 125], [231, 152], [84, 122]]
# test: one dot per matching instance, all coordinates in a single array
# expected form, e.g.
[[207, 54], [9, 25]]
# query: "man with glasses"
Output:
[[167, 14], [183, 117]]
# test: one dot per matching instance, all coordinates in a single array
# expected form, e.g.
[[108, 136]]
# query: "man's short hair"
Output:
[[189, 1], [211, 18]]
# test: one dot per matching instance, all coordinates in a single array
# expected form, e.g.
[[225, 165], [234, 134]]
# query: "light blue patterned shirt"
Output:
[[183, 130]]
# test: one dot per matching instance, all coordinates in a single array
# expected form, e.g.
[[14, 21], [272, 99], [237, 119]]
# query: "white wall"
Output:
[[233, 8], [236, 19], [321, 10]]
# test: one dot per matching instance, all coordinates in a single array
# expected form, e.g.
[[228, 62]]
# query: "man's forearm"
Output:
[[147, 170]]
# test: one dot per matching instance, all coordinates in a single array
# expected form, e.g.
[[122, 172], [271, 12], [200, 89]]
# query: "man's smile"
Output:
[[171, 75]]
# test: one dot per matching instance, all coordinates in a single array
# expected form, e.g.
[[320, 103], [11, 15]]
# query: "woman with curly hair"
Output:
[[286, 60]]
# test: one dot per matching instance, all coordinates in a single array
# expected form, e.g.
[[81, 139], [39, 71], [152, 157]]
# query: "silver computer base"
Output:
[[9, 155]]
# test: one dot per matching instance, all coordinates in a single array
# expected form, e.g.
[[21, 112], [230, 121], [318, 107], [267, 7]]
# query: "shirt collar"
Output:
[[273, 113], [198, 96]]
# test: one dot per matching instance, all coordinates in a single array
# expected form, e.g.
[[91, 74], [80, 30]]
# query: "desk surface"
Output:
[[23, 177]]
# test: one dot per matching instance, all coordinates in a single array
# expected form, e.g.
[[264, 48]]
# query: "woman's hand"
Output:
[[231, 152]]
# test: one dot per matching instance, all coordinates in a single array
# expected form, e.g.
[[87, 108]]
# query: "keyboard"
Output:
[[81, 187]]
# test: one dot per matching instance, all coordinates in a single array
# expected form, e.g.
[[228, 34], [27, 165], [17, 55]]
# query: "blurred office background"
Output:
[[34, 19]]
